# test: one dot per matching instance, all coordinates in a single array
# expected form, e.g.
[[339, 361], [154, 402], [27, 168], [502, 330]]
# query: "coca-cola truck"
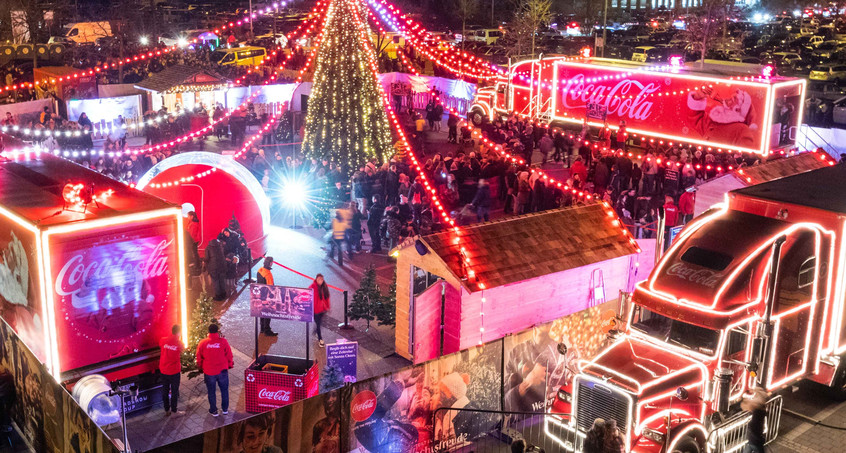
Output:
[[716, 109], [91, 270], [749, 296]]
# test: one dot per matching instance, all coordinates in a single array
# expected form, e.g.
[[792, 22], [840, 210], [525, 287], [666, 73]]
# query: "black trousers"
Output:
[[170, 391], [264, 325]]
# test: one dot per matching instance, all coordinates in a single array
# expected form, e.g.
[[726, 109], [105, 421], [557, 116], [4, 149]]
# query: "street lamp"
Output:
[[604, 26]]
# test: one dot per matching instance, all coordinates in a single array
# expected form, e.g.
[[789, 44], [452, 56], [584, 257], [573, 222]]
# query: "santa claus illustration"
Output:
[[729, 120]]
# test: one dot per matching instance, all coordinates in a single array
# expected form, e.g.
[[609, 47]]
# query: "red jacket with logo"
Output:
[[214, 355], [170, 357], [671, 213]]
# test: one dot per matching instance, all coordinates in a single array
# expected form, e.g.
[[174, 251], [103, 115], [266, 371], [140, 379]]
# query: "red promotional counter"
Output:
[[293, 380], [91, 270]]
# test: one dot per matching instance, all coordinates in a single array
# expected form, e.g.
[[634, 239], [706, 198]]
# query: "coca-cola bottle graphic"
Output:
[[381, 434]]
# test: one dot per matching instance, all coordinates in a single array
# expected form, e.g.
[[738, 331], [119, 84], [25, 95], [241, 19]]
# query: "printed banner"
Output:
[[116, 290], [281, 302], [20, 299], [345, 357], [534, 368], [395, 413]]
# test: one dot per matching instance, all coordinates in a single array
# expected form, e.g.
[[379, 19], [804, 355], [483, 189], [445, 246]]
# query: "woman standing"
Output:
[[321, 305]]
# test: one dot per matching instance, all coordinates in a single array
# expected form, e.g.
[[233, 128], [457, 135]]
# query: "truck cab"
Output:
[[750, 295]]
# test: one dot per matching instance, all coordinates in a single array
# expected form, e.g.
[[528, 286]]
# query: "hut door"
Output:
[[426, 336]]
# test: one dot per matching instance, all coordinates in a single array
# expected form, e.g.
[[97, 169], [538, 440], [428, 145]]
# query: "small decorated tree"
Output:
[[333, 377], [367, 298], [198, 328]]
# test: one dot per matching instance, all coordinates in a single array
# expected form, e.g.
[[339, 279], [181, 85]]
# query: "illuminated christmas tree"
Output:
[[346, 122]]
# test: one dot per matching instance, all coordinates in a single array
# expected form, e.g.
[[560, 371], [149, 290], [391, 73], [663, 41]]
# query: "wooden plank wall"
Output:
[[516, 307], [407, 258]]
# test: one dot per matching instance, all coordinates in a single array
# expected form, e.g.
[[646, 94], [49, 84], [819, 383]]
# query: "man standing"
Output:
[[265, 277], [686, 203], [214, 359], [374, 219], [170, 366]]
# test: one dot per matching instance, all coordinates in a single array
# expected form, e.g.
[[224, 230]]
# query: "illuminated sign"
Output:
[[717, 112]]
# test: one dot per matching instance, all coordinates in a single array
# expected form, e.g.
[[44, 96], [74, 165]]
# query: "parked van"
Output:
[[88, 32], [239, 56], [640, 54], [487, 35]]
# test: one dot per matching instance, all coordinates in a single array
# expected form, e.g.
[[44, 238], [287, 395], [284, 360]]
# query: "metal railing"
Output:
[[811, 139], [731, 435], [489, 431]]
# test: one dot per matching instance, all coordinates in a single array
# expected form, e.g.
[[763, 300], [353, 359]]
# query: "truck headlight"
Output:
[[653, 435], [564, 396]]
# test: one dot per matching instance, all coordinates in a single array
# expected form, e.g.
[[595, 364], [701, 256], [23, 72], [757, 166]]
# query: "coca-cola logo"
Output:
[[626, 99], [703, 277], [141, 259], [363, 405], [274, 394]]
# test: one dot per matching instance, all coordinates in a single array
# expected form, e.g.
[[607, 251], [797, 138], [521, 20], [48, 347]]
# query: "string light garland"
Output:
[[94, 70], [244, 147], [344, 123], [468, 66]]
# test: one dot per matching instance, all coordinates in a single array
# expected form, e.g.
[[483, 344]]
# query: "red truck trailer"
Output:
[[713, 109], [750, 295], [91, 270]]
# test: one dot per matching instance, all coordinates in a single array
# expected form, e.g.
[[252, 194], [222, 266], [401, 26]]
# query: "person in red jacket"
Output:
[[321, 305], [671, 212], [170, 366], [686, 202], [214, 359]]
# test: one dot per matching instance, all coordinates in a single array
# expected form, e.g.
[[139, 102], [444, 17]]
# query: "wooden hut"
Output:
[[535, 268]]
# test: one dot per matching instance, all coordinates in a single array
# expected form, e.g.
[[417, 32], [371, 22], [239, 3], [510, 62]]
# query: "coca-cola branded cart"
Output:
[[91, 270], [274, 381]]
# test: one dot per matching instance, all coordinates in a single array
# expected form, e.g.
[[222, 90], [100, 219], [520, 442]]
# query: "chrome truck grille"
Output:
[[597, 400]]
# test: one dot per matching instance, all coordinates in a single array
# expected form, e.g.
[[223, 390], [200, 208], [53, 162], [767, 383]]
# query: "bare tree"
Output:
[[465, 9], [531, 15], [707, 24]]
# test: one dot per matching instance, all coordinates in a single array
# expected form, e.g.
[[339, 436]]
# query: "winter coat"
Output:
[[321, 303]]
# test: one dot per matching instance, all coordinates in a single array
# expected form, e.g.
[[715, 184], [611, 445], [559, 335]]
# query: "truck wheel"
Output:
[[476, 117], [688, 445], [838, 387]]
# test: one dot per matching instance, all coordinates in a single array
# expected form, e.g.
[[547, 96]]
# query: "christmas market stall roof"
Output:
[[524, 247], [33, 188], [170, 79], [824, 189], [713, 190]]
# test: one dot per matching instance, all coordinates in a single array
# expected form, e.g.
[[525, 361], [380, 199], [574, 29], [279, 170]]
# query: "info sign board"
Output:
[[281, 302], [344, 356]]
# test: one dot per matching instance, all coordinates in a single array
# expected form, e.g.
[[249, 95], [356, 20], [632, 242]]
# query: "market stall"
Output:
[[548, 264]]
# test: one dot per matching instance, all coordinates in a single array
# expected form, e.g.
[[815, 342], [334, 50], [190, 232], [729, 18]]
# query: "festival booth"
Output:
[[66, 83], [185, 85], [714, 190], [217, 188], [535, 268], [92, 274]]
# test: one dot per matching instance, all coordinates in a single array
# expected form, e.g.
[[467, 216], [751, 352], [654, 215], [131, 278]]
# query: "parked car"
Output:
[[829, 73], [825, 90], [487, 35], [789, 57]]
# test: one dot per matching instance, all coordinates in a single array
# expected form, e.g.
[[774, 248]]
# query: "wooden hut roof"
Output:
[[524, 247]]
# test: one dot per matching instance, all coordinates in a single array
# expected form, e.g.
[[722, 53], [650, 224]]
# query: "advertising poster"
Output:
[[395, 413], [345, 357], [115, 290], [20, 301], [281, 302], [263, 433], [679, 106], [535, 369], [785, 121], [315, 425]]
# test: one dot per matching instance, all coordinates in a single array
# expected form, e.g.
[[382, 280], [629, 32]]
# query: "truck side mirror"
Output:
[[681, 394]]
